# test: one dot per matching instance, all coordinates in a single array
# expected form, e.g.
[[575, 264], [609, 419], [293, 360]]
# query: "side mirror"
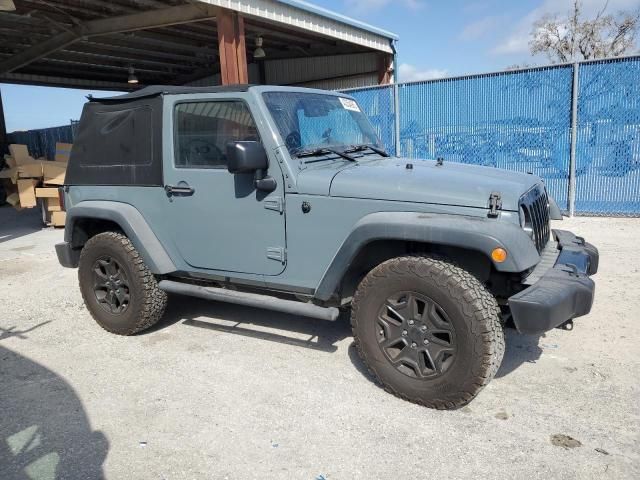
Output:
[[245, 157]]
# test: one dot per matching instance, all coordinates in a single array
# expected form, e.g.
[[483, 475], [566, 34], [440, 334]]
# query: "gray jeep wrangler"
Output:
[[284, 199]]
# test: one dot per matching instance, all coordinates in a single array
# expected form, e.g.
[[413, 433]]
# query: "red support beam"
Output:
[[233, 53], [385, 69]]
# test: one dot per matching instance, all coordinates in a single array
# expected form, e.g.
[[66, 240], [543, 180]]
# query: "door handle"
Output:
[[185, 190]]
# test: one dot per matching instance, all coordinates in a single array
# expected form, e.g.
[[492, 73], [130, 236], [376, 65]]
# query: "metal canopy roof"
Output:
[[93, 43], [157, 90]]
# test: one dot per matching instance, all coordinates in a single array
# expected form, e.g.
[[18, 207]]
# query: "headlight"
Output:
[[525, 221]]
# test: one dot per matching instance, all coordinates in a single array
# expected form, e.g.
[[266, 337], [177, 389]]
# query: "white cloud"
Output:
[[479, 28], [365, 6], [517, 41], [410, 73], [513, 44]]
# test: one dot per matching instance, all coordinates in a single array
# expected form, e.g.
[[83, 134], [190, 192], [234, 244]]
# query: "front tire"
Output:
[[428, 330], [118, 289]]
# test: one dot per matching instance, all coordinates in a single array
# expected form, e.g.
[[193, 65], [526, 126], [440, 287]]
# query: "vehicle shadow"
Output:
[[319, 335], [519, 349], [44, 430], [254, 322], [360, 366], [15, 224]]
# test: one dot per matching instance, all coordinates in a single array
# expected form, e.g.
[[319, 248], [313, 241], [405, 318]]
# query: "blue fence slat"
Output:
[[608, 146], [521, 120], [514, 120], [377, 103]]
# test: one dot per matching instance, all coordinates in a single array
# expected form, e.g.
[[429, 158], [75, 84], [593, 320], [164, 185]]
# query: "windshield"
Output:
[[310, 121]]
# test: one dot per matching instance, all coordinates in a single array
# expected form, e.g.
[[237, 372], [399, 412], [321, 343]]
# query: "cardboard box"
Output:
[[54, 172], [20, 154], [52, 204], [10, 161], [63, 150], [13, 199], [26, 192], [10, 173], [58, 219], [30, 170], [47, 192]]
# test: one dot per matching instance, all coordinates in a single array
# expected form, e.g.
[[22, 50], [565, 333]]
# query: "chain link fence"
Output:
[[378, 104], [523, 120], [608, 138]]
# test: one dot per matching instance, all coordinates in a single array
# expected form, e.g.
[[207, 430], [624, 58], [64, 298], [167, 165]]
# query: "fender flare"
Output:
[[133, 225], [475, 233]]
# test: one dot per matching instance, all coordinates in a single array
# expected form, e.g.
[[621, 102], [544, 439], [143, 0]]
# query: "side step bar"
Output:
[[251, 300]]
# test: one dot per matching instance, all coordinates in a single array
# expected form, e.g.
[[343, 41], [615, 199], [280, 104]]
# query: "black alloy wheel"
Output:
[[416, 335], [111, 285], [117, 287]]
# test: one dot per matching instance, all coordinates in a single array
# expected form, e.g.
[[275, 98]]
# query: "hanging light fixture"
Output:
[[132, 76], [259, 51]]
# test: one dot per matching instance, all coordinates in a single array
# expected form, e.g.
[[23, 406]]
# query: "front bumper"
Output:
[[560, 288]]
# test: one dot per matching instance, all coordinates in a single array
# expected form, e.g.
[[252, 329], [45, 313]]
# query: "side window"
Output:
[[203, 129]]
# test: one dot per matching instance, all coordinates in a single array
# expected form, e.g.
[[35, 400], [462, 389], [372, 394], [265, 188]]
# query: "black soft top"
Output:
[[119, 139], [156, 90]]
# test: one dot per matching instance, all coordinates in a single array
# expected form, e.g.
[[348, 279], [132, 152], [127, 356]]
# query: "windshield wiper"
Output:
[[364, 146], [323, 151]]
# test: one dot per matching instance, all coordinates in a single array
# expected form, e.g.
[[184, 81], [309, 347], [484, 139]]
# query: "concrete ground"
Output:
[[219, 391]]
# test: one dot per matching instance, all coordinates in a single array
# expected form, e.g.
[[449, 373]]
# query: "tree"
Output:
[[571, 37]]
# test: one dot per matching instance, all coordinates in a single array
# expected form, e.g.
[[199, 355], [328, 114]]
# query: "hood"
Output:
[[447, 184]]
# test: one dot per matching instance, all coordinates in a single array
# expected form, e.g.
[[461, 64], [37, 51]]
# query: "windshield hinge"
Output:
[[274, 203], [277, 253], [495, 204]]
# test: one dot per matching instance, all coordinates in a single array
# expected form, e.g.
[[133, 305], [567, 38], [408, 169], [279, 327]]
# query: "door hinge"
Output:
[[274, 203], [495, 204], [277, 253]]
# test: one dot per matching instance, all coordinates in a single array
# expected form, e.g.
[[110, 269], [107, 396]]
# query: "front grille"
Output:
[[536, 211]]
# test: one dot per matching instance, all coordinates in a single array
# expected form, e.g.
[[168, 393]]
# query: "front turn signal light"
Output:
[[499, 255]]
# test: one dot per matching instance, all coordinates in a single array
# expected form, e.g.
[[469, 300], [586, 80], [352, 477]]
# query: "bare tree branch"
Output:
[[571, 37]]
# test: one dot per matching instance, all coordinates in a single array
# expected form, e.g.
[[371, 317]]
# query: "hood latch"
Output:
[[495, 203]]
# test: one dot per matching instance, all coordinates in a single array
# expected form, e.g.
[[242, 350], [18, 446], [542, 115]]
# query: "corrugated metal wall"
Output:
[[328, 72], [213, 80]]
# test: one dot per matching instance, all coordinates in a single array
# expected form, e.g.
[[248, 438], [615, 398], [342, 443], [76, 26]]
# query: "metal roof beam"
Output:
[[48, 81], [78, 14], [127, 23]]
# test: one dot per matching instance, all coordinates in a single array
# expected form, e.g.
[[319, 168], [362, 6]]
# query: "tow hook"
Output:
[[568, 325]]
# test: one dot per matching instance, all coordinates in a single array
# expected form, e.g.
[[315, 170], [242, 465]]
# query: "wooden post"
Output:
[[385, 71], [233, 54]]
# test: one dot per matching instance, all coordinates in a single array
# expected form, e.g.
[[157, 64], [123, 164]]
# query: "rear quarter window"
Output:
[[121, 138]]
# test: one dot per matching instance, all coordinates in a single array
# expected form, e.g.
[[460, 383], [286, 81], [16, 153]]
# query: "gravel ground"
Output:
[[219, 391]]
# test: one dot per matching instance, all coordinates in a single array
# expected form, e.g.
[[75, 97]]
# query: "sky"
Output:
[[437, 39]]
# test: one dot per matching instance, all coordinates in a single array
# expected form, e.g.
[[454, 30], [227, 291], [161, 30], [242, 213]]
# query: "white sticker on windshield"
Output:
[[349, 104]]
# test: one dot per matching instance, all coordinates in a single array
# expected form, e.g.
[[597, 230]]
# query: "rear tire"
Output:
[[118, 289], [428, 330]]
